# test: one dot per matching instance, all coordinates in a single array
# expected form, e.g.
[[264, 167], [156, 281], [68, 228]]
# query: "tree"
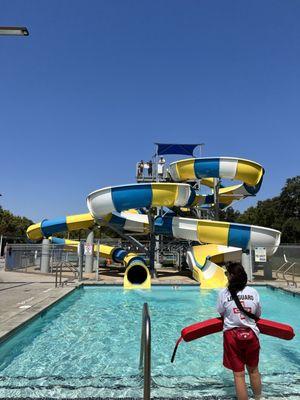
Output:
[[289, 199], [291, 231], [229, 214], [12, 225], [281, 212], [265, 213]]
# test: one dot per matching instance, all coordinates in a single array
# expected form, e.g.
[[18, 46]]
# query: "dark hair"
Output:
[[238, 277], [237, 281]]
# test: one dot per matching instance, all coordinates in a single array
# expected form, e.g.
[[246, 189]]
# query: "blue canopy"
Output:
[[170, 148]]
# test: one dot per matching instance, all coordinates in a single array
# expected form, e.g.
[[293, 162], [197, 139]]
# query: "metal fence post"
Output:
[[60, 274], [152, 245], [216, 198], [80, 259], [56, 272], [98, 260], [1, 241]]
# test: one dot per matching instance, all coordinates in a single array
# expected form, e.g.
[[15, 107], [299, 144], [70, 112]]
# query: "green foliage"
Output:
[[12, 225], [82, 234], [289, 206], [291, 231], [281, 212], [229, 215], [265, 213]]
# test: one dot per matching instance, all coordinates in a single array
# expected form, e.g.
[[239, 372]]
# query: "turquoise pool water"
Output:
[[88, 346]]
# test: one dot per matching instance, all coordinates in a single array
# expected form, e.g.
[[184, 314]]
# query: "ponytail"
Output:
[[237, 282]]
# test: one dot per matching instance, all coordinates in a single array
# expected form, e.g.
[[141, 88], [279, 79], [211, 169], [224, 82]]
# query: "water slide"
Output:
[[218, 241]]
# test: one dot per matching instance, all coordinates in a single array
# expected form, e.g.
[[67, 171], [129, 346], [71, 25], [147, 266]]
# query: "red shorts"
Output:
[[241, 347]]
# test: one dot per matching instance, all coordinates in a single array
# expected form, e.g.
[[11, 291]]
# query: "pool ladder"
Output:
[[145, 352]]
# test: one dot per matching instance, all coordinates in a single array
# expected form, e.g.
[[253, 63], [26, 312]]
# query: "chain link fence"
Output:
[[282, 265], [29, 256]]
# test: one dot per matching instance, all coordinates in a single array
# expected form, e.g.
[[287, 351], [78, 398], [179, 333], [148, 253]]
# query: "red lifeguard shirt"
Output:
[[233, 317]]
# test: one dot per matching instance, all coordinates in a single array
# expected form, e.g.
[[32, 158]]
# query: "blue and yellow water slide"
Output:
[[218, 241]]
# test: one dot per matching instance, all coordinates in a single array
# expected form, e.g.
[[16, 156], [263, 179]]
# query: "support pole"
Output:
[[1, 241], [157, 252], [80, 259], [216, 198], [158, 240], [45, 261], [268, 274], [98, 260], [89, 257], [151, 216]]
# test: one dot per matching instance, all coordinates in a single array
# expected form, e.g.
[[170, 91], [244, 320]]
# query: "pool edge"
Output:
[[13, 331], [19, 326]]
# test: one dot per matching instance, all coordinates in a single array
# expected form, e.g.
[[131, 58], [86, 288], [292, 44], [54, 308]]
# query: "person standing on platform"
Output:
[[140, 169], [146, 166], [150, 169], [161, 168]]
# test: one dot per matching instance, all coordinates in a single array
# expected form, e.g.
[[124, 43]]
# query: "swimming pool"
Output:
[[88, 346]]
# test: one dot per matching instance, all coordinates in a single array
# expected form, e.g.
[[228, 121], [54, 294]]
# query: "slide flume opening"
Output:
[[137, 275]]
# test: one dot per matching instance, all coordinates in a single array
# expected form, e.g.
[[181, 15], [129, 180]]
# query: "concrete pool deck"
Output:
[[24, 295]]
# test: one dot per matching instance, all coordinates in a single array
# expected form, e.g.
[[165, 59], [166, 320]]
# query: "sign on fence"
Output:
[[88, 249], [260, 254]]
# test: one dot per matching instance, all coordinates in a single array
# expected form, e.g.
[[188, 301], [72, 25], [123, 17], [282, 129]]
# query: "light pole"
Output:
[[13, 31]]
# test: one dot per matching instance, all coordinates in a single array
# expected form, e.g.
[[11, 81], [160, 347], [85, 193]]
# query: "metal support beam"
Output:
[[151, 218], [80, 259], [130, 238], [216, 198], [158, 242], [98, 259]]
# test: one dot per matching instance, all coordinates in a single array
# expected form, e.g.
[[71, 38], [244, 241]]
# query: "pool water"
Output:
[[88, 346]]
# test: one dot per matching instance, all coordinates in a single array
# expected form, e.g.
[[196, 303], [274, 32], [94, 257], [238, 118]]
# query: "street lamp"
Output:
[[14, 31]]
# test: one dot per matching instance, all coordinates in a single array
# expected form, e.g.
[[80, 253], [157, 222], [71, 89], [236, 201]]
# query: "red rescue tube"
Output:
[[201, 329], [272, 328], [214, 325]]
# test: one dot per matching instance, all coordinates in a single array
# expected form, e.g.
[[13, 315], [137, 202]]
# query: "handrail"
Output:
[[145, 352], [59, 268], [293, 282], [280, 269], [285, 269]]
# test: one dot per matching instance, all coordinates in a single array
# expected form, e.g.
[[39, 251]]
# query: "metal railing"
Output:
[[291, 270], [288, 268], [280, 270], [59, 270], [145, 352]]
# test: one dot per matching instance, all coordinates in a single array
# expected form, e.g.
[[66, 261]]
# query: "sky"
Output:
[[96, 83]]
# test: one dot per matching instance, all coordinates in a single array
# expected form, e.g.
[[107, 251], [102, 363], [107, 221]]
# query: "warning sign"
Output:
[[260, 254], [88, 249]]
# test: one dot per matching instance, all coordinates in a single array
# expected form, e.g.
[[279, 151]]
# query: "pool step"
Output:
[[290, 397], [101, 387]]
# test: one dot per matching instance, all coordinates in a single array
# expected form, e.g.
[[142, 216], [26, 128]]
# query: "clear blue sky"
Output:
[[97, 82]]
